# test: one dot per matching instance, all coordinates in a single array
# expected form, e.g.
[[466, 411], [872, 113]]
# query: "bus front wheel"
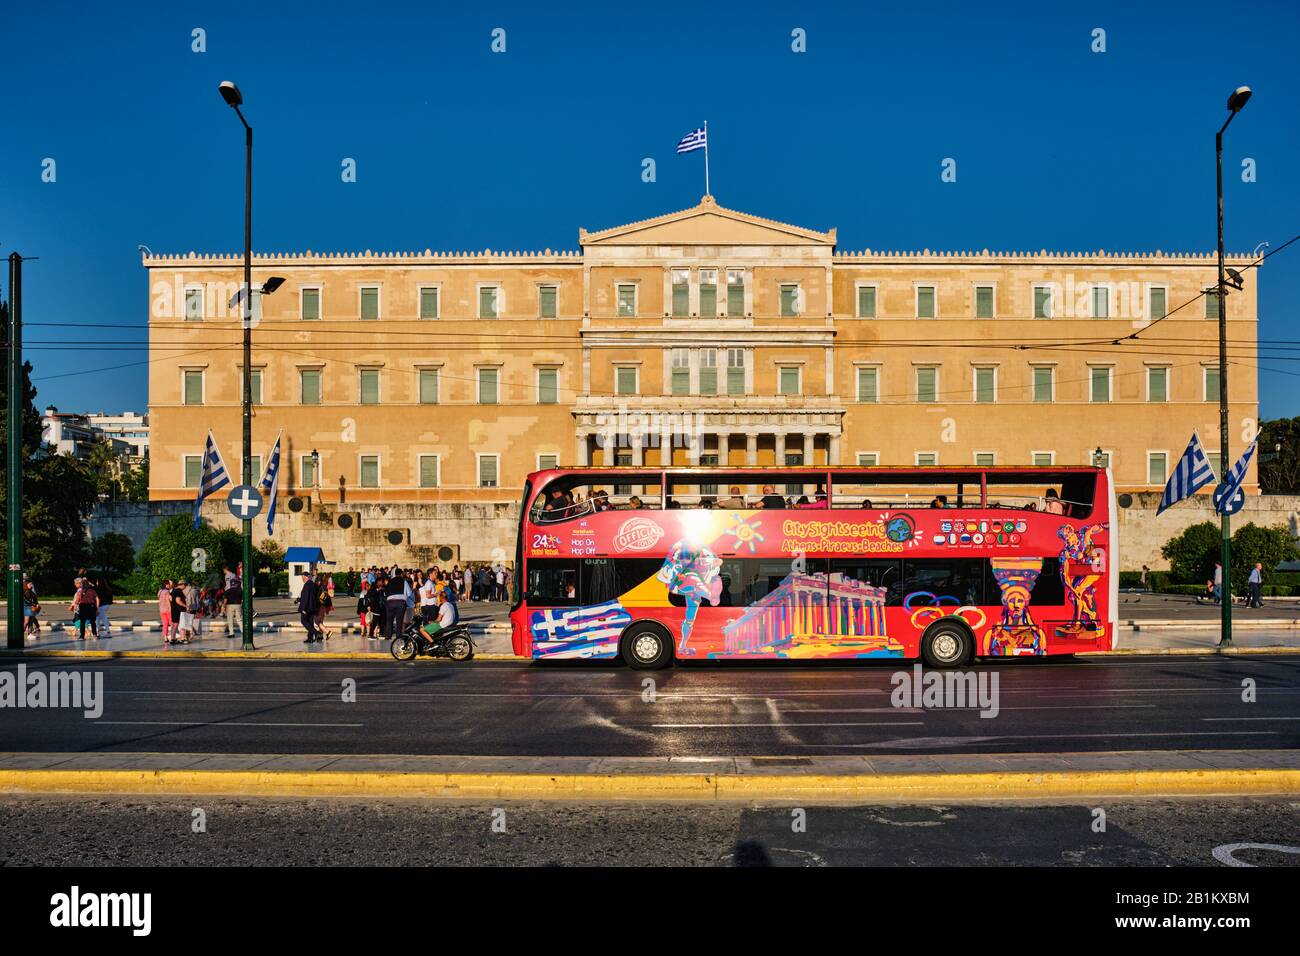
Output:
[[647, 646], [947, 644]]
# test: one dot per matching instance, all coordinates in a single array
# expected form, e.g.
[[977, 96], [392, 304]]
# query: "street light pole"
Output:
[[230, 93], [1235, 102], [14, 487]]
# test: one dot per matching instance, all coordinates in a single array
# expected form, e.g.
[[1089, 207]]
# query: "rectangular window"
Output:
[[369, 471], [708, 292], [735, 292], [868, 459], [487, 385], [370, 386], [1043, 382], [547, 297], [310, 304], [310, 386], [193, 387], [1212, 384], [625, 380], [1100, 378], [866, 302], [788, 382], [1157, 384], [708, 371], [1157, 465], [488, 303], [193, 470], [681, 373], [307, 468], [548, 462], [927, 384], [627, 299], [985, 459], [868, 384], [789, 300], [1100, 302], [193, 305], [255, 466], [681, 292], [1044, 459], [370, 302], [429, 303], [1042, 302], [927, 458], [984, 302], [1211, 304], [1156, 303], [986, 384], [255, 386], [735, 371], [428, 471], [429, 386], [925, 302], [548, 386], [487, 471]]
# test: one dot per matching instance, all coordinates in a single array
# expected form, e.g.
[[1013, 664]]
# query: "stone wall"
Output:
[[486, 532]]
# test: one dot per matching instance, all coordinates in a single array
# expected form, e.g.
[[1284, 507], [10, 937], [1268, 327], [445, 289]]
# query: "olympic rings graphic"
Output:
[[930, 612]]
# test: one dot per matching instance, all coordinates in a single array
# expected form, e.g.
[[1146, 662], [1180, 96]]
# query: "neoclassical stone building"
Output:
[[704, 335]]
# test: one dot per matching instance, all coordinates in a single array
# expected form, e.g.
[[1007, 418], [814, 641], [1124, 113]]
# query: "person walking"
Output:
[[397, 596], [85, 605], [1256, 582], [429, 597], [500, 592], [234, 597], [308, 605], [184, 631], [1218, 582], [326, 582], [352, 582], [375, 608], [165, 610], [105, 594], [31, 610], [467, 577], [194, 605]]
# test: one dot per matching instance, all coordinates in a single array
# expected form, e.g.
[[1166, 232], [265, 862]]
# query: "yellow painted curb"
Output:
[[633, 786]]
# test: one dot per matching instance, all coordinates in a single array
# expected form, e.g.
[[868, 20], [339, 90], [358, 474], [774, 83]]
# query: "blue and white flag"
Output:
[[1236, 475], [1193, 471], [271, 481], [213, 476], [693, 141]]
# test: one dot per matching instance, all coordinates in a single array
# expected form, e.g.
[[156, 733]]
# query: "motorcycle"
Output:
[[453, 642]]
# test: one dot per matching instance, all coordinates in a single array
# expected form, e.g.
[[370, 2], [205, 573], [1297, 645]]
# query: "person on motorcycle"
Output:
[[447, 616]]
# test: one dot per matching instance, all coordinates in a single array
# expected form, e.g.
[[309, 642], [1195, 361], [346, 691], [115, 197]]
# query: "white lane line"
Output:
[[914, 742], [1250, 718], [783, 724], [215, 723], [917, 710]]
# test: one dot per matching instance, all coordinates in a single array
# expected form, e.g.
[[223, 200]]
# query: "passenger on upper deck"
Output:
[[771, 499], [1052, 503], [599, 500], [736, 499]]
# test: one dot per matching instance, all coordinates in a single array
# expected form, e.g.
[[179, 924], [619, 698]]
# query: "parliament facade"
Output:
[[706, 335]]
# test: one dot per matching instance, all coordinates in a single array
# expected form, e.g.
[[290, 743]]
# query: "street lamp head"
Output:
[[271, 284], [230, 93], [1238, 98]]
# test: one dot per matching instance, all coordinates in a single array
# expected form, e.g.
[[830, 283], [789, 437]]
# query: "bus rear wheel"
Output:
[[947, 644], [647, 646]]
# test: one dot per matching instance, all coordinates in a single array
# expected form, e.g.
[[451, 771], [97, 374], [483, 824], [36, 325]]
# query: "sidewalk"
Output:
[[906, 778]]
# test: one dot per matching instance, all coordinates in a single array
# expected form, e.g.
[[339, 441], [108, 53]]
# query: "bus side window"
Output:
[[553, 582]]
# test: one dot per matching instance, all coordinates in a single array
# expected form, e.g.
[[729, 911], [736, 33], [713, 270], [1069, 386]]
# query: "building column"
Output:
[[724, 449], [638, 450], [833, 450], [583, 459], [780, 449], [751, 449]]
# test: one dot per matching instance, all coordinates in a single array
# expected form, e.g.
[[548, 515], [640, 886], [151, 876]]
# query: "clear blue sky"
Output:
[[460, 148]]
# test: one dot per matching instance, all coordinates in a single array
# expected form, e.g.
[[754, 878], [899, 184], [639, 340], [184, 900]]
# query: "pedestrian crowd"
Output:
[[184, 606], [387, 598]]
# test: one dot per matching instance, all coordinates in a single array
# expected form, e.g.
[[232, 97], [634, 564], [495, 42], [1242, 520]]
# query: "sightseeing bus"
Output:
[[656, 565]]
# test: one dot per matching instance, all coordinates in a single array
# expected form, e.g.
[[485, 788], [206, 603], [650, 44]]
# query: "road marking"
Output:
[[215, 723], [1250, 718], [980, 741], [782, 724], [1224, 853]]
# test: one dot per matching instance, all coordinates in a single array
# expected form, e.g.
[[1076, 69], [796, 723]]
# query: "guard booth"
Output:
[[302, 561]]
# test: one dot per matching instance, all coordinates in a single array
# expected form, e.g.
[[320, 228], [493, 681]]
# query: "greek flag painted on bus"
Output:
[[271, 481], [693, 141], [579, 631], [1237, 475], [1192, 471], [213, 477]]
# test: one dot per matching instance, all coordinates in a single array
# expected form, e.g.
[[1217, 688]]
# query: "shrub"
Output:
[[1192, 554], [1268, 546], [113, 555]]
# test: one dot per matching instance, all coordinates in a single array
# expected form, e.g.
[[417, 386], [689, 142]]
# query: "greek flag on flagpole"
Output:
[[693, 141], [271, 480], [213, 477], [1193, 471], [1237, 474]]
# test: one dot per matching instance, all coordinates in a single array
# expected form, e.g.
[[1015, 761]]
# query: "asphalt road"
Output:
[[506, 709], [82, 831]]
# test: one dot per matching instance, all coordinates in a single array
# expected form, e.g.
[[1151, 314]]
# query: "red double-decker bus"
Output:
[[946, 564]]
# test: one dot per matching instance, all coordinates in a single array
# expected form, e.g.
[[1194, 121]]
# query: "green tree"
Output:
[[113, 554], [1192, 554], [1279, 456], [58, 496], [135, 483], [176, 549], [1268, 546]]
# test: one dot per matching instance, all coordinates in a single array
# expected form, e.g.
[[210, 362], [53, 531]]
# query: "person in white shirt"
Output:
[[428, 597], [447, 616]]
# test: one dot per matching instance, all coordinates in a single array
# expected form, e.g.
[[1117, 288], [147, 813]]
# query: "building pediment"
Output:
[[707, 224]]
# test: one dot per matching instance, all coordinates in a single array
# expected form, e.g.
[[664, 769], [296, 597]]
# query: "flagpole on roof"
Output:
[[706, 158]]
